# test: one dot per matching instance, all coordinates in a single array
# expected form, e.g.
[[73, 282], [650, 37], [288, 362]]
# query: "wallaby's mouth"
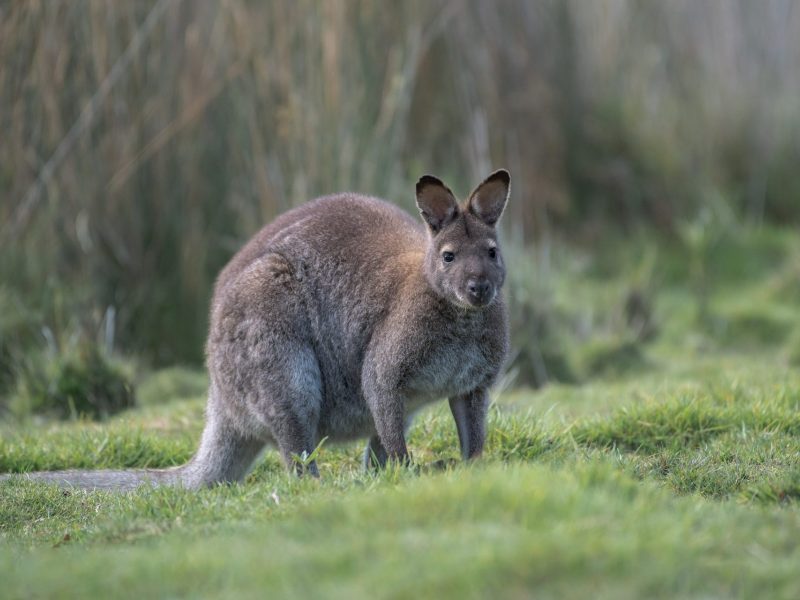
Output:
[[481, 299], [484, 300]]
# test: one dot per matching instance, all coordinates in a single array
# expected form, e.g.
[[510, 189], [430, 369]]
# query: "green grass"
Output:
[[680, 483], [508, 530]]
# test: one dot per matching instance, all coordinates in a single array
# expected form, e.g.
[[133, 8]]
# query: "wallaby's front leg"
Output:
[[375, 455], [469, 411], [388, 412]]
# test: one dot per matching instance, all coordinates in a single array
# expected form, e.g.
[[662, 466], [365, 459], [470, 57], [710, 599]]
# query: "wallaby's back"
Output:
[[341, 213]]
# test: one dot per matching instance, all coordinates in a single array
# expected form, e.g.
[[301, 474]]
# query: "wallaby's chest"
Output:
[[453, 365]]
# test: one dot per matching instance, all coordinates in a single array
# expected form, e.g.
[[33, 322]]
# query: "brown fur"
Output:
[[340, 319]]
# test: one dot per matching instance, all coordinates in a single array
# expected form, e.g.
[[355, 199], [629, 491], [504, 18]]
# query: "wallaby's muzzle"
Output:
[[480, 292]]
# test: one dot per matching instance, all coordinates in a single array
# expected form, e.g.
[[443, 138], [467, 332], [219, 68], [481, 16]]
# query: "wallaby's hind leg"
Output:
[[260, 356], [290, 403], [225, 455], [296, 442]]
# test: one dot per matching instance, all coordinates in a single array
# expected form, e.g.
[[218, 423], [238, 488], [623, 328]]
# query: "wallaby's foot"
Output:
[[296, 445], [443, 464], [469, 411], [301, 468], [402, 460], [375, 455], [297, 452]]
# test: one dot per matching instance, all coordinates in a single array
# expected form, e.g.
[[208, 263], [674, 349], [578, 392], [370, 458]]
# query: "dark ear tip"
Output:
[[500, 175], [428, 180]]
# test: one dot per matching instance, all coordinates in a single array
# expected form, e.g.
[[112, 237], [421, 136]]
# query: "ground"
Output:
[[676, 474]]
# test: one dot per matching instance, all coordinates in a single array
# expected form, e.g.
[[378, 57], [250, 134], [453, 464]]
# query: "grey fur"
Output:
[[340, 319]]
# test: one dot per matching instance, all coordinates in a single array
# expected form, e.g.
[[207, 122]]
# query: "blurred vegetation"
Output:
[[143, 142], [82, 382]]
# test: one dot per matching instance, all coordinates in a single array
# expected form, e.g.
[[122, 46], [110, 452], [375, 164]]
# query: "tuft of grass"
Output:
[[739, 464], [756, 326], [157, 437], [692, 419], [784, 489], [77, 382], [174, 383], [612, 358]]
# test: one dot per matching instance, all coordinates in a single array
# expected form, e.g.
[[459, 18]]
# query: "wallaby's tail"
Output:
[[224, 456], [122, 480]]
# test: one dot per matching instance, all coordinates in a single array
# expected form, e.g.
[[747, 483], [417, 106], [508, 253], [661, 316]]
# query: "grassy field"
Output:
[[657, 485], [674, 474]]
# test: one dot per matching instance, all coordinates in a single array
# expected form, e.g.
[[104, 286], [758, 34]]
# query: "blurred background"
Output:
[[654, 149]]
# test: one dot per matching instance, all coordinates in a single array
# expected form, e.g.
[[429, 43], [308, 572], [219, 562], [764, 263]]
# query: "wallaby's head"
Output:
[[463, 262]]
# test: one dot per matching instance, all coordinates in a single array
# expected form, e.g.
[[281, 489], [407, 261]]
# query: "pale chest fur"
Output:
[[464, 356], [451, 369]]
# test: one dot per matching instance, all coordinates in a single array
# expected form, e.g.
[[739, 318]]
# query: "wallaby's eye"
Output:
[[448, 257], [492, 253]]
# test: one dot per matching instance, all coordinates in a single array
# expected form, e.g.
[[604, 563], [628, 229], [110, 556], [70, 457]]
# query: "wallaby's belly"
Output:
[[345, 418], [454, 369]]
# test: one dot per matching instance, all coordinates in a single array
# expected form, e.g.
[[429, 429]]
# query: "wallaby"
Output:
[[339, 320]]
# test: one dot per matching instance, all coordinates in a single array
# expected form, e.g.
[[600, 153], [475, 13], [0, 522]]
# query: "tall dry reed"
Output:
[[226, 113]]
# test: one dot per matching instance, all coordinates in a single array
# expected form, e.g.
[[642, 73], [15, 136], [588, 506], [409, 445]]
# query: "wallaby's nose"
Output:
[[479, 290]]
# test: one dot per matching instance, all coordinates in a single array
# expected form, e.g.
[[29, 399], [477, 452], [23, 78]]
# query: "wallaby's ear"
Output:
[[489, 199], [436, 202]]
